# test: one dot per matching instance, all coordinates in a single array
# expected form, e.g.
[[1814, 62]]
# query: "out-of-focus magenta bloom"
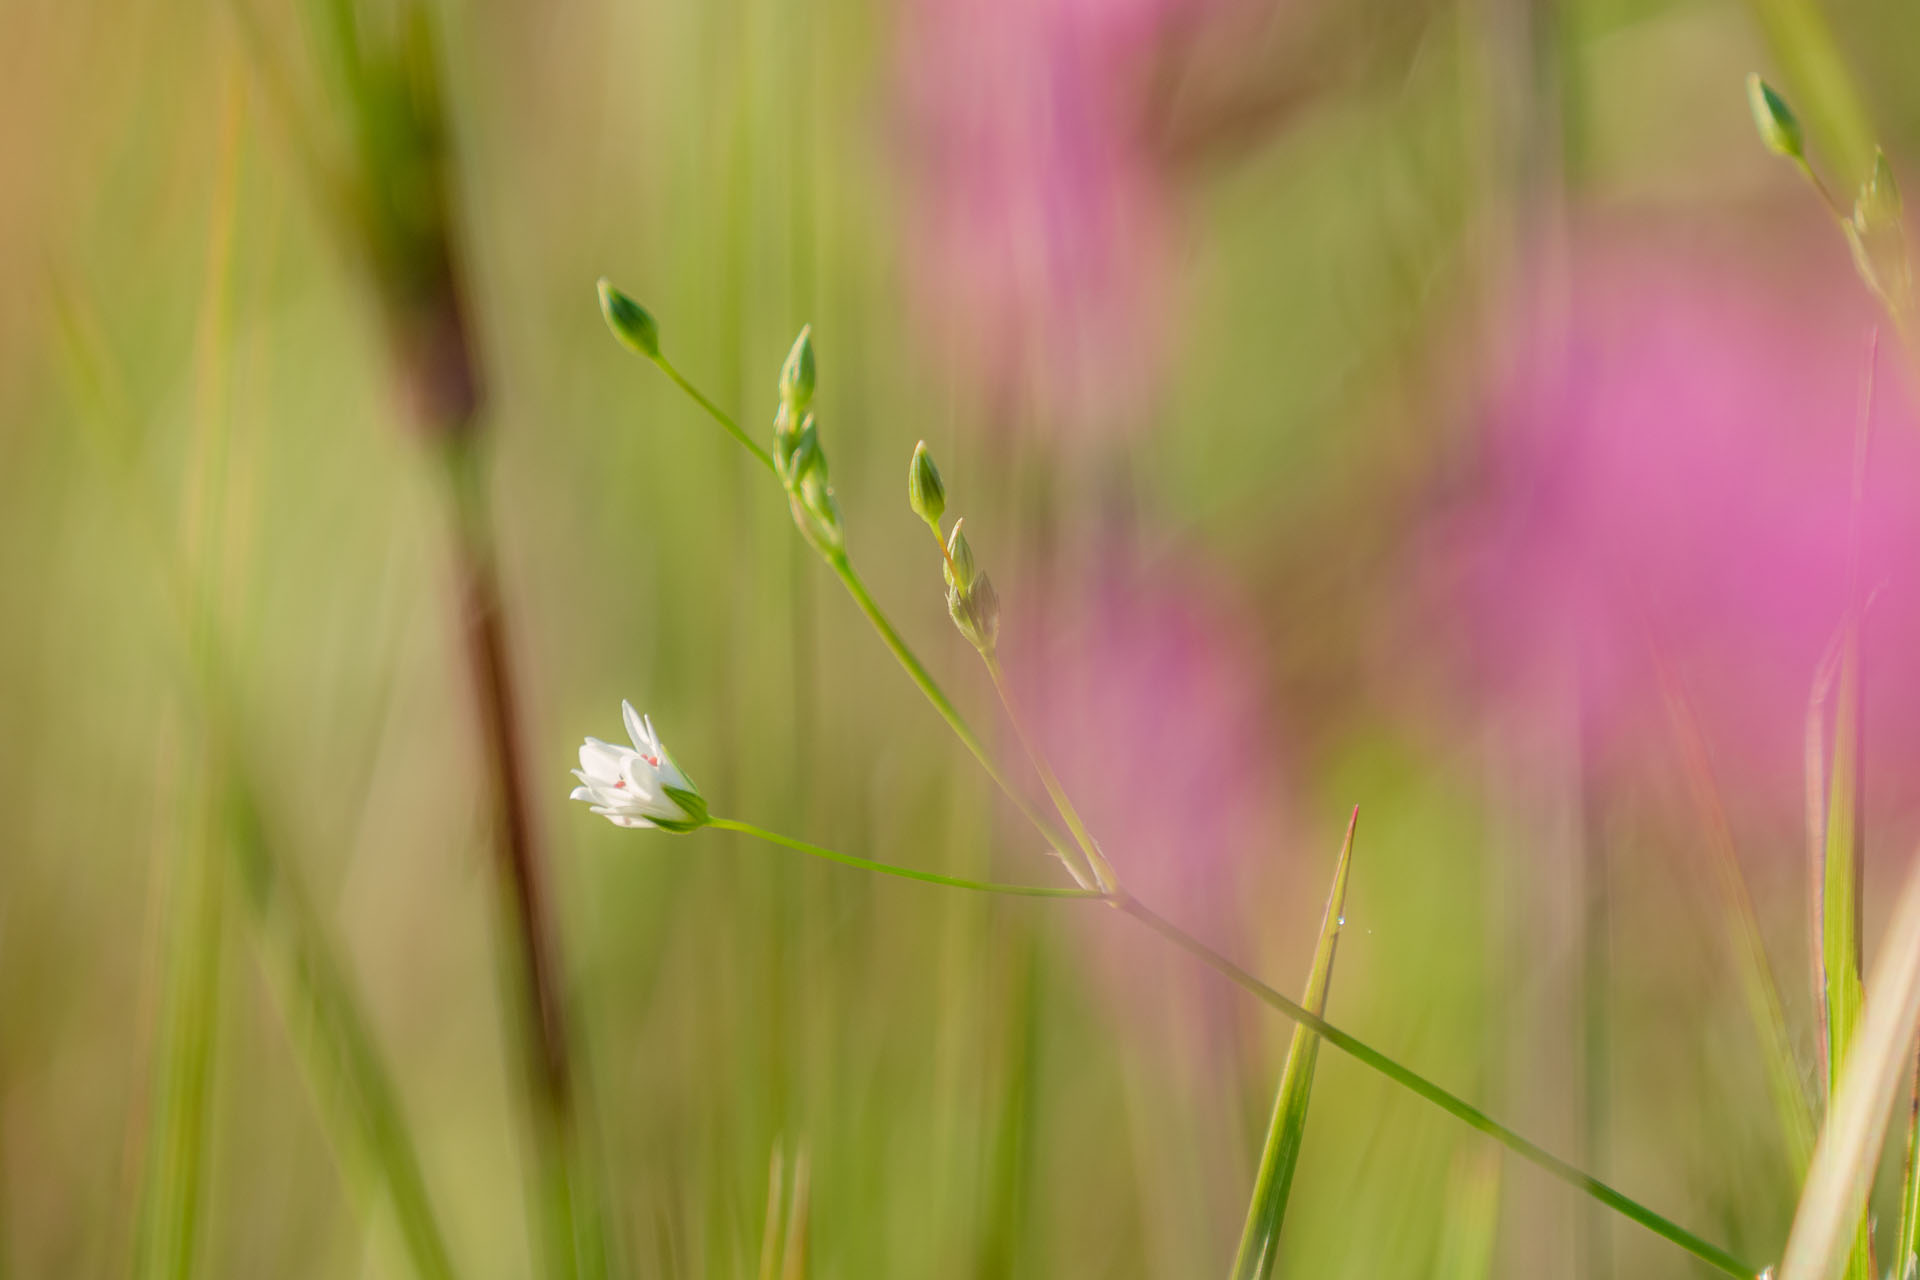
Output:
[[1144, 689], [1671, 473], [1040, 226]]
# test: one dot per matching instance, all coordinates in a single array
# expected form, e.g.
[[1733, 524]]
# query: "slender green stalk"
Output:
[[1531, 1152], [718, 414], [1260, 1238], [929, 687], [905, 873], [1102, 870]]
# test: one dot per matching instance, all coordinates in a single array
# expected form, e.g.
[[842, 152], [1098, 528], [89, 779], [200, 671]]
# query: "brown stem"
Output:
[[483, 634]]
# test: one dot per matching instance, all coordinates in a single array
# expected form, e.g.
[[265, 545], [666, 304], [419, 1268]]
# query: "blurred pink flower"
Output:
[[1144, 689], [1672, 473], [1041, 222]]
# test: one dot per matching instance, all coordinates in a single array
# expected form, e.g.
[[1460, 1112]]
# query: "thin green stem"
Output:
[[904, 873], [924, 680], [1531, 1152], [1102, 870], [718, 414]]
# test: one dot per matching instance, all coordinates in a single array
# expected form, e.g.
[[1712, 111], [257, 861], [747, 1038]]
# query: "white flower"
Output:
[[638, 786]]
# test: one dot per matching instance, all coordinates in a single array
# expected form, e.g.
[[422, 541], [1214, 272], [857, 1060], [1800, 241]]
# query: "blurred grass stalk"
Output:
[[1825, 1226], [312, 986], [167, 1229], [395, 209], [1260, 1238], [1841, 852], [1760, 991]]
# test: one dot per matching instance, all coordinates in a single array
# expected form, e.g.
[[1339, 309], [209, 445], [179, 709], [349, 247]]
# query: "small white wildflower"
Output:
[[638, 786]]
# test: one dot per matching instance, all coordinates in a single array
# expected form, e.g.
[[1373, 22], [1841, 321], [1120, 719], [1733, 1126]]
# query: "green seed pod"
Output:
[[1778, 127], [629, 321], [796, 375], [926, 492]]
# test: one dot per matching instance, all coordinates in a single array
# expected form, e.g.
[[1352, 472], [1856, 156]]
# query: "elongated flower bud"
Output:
[[629, 321], [796, 375], [1779, 129], [926, 492], [960, 571]]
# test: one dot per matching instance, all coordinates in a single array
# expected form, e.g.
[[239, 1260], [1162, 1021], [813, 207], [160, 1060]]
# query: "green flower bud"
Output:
[[926, 492], [1779, 130], [796, 375], [806, 457], [960, 570], [629, 321], [976, 612]]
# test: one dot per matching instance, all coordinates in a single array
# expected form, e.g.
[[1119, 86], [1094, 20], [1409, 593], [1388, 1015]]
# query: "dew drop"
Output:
[[1340, 920]]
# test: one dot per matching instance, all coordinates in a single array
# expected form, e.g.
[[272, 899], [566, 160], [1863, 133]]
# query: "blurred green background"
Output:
[[195, 380]]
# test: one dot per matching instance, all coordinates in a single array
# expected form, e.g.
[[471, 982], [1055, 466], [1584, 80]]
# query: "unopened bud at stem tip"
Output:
[[796, 375], [629, 321], [1778, 127], [926, 492], [960, 570]]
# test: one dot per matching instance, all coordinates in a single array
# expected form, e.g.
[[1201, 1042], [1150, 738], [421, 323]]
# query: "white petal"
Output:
[[601, 761], [580, 793], [653, 739], [636, 728]]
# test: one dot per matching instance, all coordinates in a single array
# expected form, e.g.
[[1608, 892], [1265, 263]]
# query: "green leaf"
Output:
[[1838, 910], [167, 1237], [1260, 1238]]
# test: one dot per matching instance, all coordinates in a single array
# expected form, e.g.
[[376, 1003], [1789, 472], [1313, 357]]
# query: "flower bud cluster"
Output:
[[797, 454], [972, 602]]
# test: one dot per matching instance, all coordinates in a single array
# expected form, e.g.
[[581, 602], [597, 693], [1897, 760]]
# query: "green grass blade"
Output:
[[1838, 906], [334, 1040], [1259, 1239], [168, 1228], [1826, 1223], [1906, 1250], [167, 1233]]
